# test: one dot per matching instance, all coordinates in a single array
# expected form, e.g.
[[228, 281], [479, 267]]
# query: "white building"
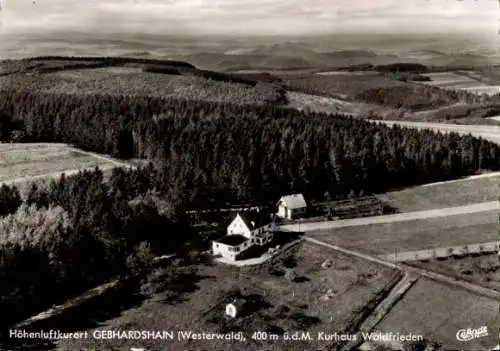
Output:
[[245, 231], [292, 206], [234, 308]]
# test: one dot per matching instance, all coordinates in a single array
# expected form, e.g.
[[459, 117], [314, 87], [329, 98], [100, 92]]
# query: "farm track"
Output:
[[102, 157], [399, 217]]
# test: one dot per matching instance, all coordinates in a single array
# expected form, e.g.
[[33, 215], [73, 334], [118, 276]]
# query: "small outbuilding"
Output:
[[292, 206], [234, 308]]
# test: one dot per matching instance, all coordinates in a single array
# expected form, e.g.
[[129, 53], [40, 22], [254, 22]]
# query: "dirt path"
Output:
[[399, 217], [72, 303], [102, 157]]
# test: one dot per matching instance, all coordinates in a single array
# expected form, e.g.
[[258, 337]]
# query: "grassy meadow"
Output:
[[438, 311], [415, 234]]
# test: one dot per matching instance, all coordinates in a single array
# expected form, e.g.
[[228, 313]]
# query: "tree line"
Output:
[[212, 153]]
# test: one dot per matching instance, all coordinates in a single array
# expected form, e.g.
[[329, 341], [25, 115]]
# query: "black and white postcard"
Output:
[[249, 175]]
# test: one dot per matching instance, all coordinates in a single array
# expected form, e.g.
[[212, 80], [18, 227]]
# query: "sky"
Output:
[[249, 17]]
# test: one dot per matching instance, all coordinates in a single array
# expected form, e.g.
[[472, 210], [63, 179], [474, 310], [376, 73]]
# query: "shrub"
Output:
[[273, 270], [290, 274], [141, 261]]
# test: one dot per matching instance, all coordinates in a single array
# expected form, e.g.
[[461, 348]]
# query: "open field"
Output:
[[193, 302], [22, 164], [130, 81], [459, 113], [450, 79], [438, 312], [453, 193], [33, 160], [317, 103], [480, 269], [461, 229], [489, 75], [455, 81], [490, 133]]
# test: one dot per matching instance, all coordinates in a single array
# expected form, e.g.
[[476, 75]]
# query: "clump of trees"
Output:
[[161, 69], [401, 67], [225, 77], [78, 232], [10, 199], [405, 77]]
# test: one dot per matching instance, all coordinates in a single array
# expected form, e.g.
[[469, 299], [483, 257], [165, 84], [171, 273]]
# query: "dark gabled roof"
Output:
[[258, 218], [232, 240]]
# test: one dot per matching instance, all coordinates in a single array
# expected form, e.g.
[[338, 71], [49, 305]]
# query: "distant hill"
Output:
[[283, 57], [290, 49], [349, 54], [123, 76], [110, 61]]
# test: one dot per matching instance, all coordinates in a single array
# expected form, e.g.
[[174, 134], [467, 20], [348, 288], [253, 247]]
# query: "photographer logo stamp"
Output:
[[471, 334]]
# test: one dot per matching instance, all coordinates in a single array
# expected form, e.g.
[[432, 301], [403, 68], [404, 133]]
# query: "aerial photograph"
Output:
[[249, 175]]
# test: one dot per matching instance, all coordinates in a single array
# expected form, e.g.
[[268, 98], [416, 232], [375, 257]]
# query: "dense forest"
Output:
[[132, 81], [78, 232], [217, 153]]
